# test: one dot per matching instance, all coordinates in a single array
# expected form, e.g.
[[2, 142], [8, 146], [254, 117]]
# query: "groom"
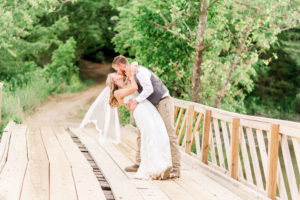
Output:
[[151, 88]]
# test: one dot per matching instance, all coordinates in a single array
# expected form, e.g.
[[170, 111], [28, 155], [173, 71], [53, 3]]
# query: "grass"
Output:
[[23, 100]]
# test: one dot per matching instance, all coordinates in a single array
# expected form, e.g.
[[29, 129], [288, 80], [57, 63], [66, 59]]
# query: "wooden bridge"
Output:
[[225, 155]]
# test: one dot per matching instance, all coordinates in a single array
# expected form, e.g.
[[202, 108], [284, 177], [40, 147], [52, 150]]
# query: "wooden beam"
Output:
[[205, 140], [234, 148], [189, 128], [272, 161]]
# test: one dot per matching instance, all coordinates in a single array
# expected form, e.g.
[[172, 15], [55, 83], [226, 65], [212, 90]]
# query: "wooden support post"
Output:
[[272, 161], [234, 148], [189, 129], [1, 85], [205, 140]]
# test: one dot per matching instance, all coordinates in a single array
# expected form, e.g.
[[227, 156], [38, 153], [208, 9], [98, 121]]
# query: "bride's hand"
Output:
[[128, 72]]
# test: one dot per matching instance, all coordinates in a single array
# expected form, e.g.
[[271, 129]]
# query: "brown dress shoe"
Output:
[[166, 173], [132, 168], [175, 173]]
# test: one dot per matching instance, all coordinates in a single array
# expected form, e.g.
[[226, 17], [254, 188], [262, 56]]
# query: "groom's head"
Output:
[[120, 63]]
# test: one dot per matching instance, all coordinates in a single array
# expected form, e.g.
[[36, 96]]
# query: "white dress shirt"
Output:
[[144, 77]]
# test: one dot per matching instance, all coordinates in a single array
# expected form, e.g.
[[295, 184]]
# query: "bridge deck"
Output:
[[194, 184], [45, 163], [39, 163]]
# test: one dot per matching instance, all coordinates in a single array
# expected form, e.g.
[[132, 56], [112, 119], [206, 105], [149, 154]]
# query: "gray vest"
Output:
[[159, 89]]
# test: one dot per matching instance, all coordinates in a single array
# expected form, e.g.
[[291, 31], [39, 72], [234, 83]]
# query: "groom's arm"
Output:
[[144, 77]]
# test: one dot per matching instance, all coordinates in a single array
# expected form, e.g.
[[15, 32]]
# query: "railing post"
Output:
[[234, 148], [1, 85], [272, 161], [189, 128], [205, 140]]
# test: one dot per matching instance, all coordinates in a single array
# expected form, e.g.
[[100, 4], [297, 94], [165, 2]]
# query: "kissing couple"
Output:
[[142, 92]]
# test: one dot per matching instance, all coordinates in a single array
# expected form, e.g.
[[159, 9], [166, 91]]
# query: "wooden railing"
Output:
[[262, 153]]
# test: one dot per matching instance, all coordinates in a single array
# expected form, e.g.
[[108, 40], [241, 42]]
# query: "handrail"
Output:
[[199, 107], [262, 153]]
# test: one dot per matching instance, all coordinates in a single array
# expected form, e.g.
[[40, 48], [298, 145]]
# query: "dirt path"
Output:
[[64, 109], [69, 109]]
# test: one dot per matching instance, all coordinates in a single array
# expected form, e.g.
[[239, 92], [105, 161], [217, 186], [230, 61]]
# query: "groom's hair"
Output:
[[120, 60]]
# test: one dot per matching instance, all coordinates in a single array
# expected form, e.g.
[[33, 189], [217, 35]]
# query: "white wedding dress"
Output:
[[155, 145]]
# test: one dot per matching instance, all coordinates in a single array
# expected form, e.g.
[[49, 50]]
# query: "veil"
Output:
[[105, 118]]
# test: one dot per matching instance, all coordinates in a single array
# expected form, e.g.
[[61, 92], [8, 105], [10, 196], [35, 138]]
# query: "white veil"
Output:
[[104, 117]]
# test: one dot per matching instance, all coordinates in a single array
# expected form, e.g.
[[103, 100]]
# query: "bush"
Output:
[[124, 115]]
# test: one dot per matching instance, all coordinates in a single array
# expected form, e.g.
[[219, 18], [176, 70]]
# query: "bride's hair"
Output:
[[113, 102]]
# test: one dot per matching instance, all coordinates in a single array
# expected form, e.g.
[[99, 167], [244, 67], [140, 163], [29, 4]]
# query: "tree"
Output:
[[222, 42]]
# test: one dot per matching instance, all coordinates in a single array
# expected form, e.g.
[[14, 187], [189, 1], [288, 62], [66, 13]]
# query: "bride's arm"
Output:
[[131, 88]]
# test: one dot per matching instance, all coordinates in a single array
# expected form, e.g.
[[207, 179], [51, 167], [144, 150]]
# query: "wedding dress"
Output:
[[155, 145]]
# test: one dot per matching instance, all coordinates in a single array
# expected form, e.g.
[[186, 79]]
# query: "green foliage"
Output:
[[88, 22], [162, 36], [62, 68], [277, 86], [124, 115], [152, 47]]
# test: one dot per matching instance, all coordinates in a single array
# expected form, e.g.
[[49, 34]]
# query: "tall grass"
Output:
[[21, 101]]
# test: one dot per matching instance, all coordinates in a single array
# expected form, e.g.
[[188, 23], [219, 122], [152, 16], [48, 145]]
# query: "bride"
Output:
[[156, 162]]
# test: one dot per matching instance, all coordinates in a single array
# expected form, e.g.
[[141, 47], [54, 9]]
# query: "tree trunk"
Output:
[[199, 49]]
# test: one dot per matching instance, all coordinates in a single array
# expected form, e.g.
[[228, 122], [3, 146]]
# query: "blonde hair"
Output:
[[113, 102], [120, 60]]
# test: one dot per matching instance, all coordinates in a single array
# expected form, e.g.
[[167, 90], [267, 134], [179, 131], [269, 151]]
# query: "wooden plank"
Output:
[[263, 122], [219, 143], [272, 161], [36, 182], [192, 179], [280, 183], [226, 142], [246, 157], [262, 150], [180, 134], [87, 185], [189, 129], [290, 131], [234, 148], [240, 169], [61, 178], [212, 148], [176, 112], [120, 184], [192, 136], [4, 146], [206, 137], [12, 176], [171, 189], [178, 120], [146, 188], [296, 143], [289, 168], [255, 162], [196, 134], [10, 126]]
